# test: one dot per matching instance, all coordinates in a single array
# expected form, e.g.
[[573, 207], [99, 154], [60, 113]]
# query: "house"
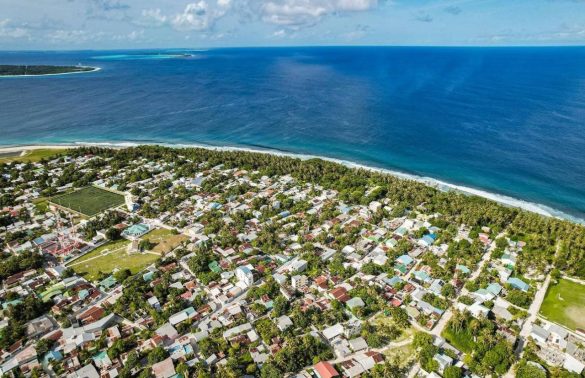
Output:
[[427, 240], [558, 336], [154, 303], [299, 282], [572, 364], [325, 370], [164, 369], [245, 275], [88, 371], [183, 315], [422, 276], [539, 334], [340, 294], [358, 344], [355, 303], [483, 295], [436, 286], [463, 269], [136, 231], [237, 330], [517, 283], [443, 360], [283, 323], [332, 332], [405, 260], [494, 288], [508, 260]]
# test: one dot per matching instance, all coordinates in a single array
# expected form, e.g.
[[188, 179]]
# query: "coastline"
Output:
[[93, 69], [429, 181]]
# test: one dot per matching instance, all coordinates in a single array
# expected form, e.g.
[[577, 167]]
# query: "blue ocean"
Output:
[[508, 121]]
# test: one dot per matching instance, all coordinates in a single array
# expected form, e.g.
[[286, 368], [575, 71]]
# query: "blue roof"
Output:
[[423, 276], [405, 259], [344, 209], [394, 280], [52, 355], [428, 239], [494, 288], [518, 283], [463, 268]]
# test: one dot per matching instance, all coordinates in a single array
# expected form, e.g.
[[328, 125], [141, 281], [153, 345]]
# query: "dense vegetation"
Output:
[[10, 70], [549, 240]]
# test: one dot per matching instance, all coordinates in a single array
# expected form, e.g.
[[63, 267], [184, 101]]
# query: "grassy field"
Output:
[[462, 340], [31, 155], [89, 201], [565, 304], [404, 355], [110, 256], [165, 240]]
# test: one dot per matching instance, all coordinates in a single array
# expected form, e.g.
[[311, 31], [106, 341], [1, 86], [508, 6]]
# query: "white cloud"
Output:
[[200, 16], [70, 36], [280, 33], [8, 30], [297, 13], [152, 17]]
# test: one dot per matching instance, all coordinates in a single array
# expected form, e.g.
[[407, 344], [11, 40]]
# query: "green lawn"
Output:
[[165, 240], [31, 155], [110, 256], [89, 201], [462, 340], [404, 355], [565, 304]]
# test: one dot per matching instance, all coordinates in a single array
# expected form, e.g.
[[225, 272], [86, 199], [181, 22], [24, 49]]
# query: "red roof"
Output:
[[325, 370]]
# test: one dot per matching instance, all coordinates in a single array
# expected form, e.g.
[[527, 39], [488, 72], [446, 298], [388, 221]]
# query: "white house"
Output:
[[298, 281], [245, 275]]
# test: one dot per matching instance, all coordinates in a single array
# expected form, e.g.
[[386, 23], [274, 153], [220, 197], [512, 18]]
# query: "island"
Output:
[[42, 70], [154, 261]]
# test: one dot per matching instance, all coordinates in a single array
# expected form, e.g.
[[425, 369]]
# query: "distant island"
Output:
[[25, 70]]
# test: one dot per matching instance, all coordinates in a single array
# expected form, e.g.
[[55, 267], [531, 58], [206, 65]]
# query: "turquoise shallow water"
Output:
[[505, 120]]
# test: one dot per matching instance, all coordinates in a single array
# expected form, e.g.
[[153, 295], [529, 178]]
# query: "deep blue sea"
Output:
[[509, 121]]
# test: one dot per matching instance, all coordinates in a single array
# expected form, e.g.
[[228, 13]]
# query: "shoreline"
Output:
[[438, 184], [93, 69]]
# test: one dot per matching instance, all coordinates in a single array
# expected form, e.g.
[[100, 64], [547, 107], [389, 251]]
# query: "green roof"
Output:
[[401, 268], [136, 229], [108, 282], [214, 267]]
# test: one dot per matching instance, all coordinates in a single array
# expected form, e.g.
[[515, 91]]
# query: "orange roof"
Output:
[[325, 370]]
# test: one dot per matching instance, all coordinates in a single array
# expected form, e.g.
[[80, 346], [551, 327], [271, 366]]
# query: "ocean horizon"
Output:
[[504, 123]]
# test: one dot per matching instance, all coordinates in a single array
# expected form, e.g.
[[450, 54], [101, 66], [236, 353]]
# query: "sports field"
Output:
[[565, 304], [89, 201], [110, 256]]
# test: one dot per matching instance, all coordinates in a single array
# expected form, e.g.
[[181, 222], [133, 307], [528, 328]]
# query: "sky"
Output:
[[123, 24]]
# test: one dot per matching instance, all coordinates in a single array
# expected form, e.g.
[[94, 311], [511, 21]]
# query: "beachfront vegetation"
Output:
[[565, 304], [89, 201]]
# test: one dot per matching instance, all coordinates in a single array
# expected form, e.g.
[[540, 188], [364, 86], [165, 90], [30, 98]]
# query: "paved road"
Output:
[[535, 307]]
